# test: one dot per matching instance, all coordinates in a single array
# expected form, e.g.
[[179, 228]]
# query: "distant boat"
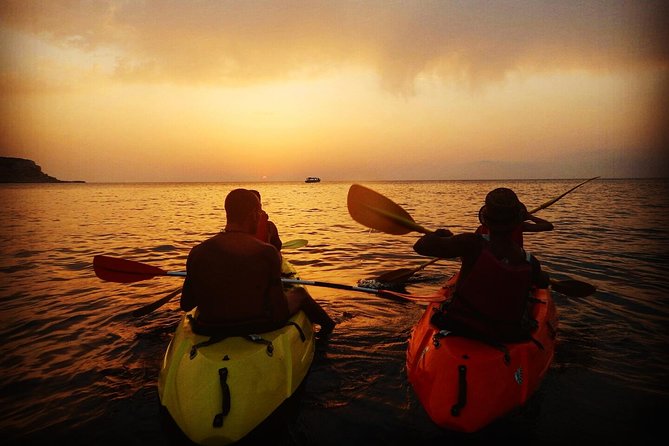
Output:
[[312, 180]]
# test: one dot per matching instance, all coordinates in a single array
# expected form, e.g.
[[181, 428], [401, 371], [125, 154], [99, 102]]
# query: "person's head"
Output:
[[241, 208], [502, 211], [257, 194]]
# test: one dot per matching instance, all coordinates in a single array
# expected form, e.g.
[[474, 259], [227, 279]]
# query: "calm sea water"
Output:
[[77, 367]]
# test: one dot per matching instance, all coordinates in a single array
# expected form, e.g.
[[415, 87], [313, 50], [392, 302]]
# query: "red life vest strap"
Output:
[[262, 232]]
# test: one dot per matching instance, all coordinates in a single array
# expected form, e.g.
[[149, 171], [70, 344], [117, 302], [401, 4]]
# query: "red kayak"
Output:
[[465, 384]]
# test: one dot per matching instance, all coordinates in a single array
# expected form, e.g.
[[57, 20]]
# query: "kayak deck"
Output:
[[218, 393], [465, 384], [217, 390]]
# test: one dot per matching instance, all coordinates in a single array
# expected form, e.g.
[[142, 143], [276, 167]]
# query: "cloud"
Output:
[[233, 43]]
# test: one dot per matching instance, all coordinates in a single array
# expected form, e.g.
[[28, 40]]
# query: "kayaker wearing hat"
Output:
[[528, 223], [235, 279], [491, 298]]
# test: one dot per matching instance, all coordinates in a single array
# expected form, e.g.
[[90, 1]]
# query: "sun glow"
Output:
[[101, 95]]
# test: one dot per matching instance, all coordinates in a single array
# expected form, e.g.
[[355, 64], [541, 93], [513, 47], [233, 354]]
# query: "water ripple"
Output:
[[78, 363]]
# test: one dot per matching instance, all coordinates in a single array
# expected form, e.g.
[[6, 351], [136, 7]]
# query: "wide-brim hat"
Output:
[[502, 211]]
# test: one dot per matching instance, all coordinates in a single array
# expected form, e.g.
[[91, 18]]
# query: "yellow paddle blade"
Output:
[[297, 243], [373, 210]]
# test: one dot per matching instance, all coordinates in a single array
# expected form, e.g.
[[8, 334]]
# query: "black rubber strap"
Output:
[[299, 329], [223, 375], [462, 391], [212, 340]]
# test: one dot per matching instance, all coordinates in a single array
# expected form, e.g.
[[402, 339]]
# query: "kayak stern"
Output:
[[464, 384], [220, 392]]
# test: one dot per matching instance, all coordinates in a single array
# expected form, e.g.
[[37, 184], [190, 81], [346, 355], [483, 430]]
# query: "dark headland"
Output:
[[19, 170]]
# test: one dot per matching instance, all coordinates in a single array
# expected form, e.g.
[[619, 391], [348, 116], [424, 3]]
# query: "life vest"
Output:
[[492, 301], [262, 232]]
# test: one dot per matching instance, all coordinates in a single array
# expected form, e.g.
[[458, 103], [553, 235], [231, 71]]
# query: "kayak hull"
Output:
[[464, 384], [218, 393]]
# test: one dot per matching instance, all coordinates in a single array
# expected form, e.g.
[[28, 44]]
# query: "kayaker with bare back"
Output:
[[491, 298], [234, 279]]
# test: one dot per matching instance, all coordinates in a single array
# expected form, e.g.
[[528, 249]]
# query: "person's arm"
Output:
[[187, 301], [274, 238], [540, 278], [277, 296], [536, 224], [482, 229], [532, 223], [445, 245]]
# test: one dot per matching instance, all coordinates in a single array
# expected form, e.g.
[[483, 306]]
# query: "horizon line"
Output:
[[336, 181]]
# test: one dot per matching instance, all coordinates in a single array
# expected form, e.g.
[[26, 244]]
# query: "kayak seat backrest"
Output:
[[241, 329], [218, 333]]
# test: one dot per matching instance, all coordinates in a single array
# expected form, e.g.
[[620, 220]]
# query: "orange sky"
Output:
[[345, 90]]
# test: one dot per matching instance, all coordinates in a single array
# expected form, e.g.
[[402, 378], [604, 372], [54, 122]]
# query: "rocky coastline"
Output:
[[20, 170]]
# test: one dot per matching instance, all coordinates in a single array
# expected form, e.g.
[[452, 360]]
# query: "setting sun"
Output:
[[120, 91]]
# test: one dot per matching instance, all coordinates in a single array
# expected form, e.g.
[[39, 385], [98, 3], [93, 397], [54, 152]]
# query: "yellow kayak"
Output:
[[219, 390]]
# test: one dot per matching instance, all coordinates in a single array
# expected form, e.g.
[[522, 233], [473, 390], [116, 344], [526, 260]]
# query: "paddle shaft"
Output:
[[386, 293], [146, 309], [404, 274], [363, 205], [582, 289], [550, 202], [288, 281]]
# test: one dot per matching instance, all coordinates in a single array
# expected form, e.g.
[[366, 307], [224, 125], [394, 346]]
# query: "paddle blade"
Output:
[[293, 244], [373, 210], [399, 275], [114, 269], [403, 274], [143, 311], [573, 288]]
